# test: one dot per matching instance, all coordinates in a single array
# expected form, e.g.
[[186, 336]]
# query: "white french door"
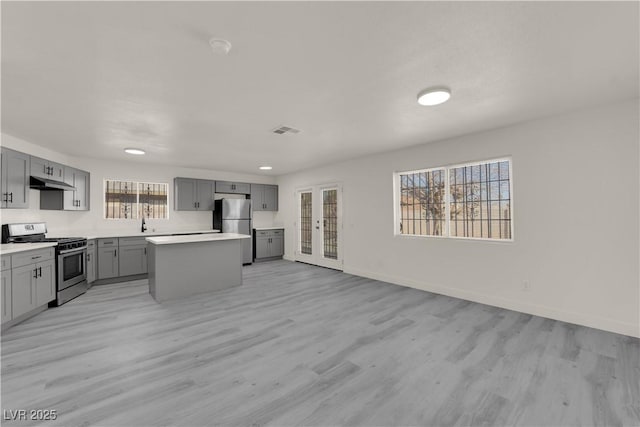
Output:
[[319, 226]]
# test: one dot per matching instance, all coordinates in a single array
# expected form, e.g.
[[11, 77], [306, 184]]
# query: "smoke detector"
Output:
[[220, 46]]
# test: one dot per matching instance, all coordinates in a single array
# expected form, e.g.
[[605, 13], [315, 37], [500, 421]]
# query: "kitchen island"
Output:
[[181, 266]]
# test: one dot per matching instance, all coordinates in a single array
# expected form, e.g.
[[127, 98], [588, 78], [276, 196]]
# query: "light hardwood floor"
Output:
[[303, 345]]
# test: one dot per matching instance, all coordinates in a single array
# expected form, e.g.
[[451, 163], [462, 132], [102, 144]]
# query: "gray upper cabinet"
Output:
[[193, 194], [77, 200], [43, 168], [264, 197], [205, 191], [14, 179], [233, 187]]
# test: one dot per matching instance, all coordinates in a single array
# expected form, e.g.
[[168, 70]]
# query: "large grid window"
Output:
[[134, 200], [470, 201]]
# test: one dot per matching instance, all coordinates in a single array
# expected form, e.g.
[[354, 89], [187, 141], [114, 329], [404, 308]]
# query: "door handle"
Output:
[[35, 273], [11, 197], [115, 253], [5, 197], [145, 251], [39, 271]]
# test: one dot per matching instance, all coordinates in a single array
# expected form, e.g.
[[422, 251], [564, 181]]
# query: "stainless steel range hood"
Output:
[[49, 184]]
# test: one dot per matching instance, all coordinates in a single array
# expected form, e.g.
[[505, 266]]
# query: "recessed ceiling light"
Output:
[[265, 168], [136, 151], [220, 46], [434, 96]]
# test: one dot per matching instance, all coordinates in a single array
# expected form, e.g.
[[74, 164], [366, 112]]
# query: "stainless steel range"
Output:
[[71, 257]]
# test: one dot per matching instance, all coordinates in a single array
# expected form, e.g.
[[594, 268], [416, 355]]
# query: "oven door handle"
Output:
[[68, 251]]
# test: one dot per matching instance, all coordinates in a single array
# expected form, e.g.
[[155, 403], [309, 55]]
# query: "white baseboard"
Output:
[[591, 321]]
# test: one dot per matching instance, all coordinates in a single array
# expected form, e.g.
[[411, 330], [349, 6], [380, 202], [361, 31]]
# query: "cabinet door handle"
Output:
[[11, 197], [39, 271], [5, 197], [115, 253], [145, 251], [35, 273]]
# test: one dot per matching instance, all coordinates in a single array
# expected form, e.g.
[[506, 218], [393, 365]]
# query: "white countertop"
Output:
[[196, 238], [113, 234], [268, 228], [12, 248]]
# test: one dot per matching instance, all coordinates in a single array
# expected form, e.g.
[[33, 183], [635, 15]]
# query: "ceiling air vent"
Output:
[[285, 129]]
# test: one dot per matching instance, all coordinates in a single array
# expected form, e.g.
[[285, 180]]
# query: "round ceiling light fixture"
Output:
[[220, 46], [134, 151], [434, 96], [265, 168]]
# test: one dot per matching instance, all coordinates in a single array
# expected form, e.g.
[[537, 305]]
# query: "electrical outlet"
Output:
[[526, 285]]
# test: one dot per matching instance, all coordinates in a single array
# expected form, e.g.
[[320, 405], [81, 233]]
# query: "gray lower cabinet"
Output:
[[108, 258], [5, 296], [45, 282], [233, 187], [91, 261], [264, 197], [32, 285], [269, 244], [14, 179], [133, 256], [119, 257], [193, 194]]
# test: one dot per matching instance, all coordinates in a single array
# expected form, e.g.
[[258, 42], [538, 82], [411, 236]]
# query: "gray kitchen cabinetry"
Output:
[[264, 197], [108, 258], [77, 200], [14, 179], [133, 256], [42, 168], [5, 289], [233, 187], [33, 284], [193, 194], [91, 261], [68, 200], [269, 244]]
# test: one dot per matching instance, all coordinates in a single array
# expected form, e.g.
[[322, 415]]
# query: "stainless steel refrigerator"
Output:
[[234, 216]]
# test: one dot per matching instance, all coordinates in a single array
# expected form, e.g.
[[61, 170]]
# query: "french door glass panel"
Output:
[[306, 223], [330, 223]]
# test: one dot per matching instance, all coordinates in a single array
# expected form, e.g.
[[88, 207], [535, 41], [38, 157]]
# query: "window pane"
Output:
[[153, 200], [422, 203], [480, 201], [121, 200]]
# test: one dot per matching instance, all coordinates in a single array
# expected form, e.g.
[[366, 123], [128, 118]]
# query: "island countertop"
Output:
[[195, 238]]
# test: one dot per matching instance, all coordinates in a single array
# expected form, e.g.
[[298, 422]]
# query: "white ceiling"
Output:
[[91, 78]]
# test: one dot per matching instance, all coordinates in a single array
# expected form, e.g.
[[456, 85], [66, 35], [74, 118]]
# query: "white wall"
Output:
[[62, 222], [576, 205]]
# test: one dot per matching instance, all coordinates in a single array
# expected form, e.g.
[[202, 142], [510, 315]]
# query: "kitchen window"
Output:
[[472, 200], [135, 200]]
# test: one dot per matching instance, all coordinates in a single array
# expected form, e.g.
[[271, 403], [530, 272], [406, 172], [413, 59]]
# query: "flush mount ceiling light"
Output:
[[265, 168], [434, 96], [220, 46], [135, 151]]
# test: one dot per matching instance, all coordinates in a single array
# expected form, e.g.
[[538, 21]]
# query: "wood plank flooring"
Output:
[[303, 345]]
